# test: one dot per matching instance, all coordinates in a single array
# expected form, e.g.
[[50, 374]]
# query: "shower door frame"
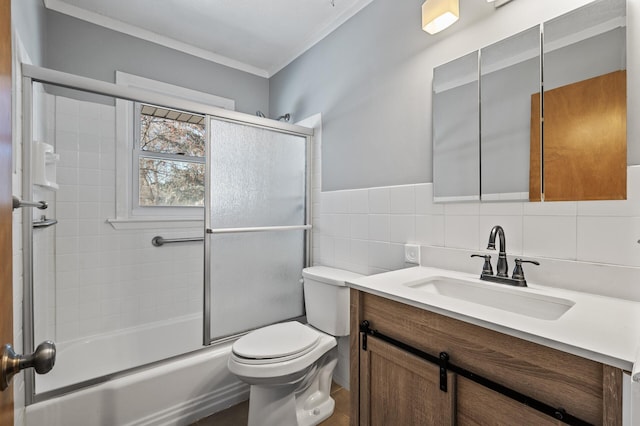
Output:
[[33, 74]]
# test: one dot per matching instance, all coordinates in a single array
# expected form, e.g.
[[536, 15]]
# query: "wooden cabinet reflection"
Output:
[[585, 141]]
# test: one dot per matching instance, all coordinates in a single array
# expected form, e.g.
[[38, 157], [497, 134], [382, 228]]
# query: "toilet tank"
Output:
[[326, 298]]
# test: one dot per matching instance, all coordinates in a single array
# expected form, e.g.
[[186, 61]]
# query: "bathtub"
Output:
[[175, 392]]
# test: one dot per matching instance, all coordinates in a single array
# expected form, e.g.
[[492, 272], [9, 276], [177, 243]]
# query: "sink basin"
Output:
[[507, 299]]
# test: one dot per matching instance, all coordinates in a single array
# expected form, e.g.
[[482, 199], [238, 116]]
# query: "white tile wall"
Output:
[[107, 279], [603, 232], [379, 200], [430, 229], [379, 227], [461, 231], [402, 200], [550, 236]]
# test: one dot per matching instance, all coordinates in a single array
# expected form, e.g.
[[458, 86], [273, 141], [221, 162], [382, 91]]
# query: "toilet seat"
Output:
[[275, 343]]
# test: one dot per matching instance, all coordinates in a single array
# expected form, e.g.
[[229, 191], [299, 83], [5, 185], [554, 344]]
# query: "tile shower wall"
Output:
[[108, 279], [364, 230]]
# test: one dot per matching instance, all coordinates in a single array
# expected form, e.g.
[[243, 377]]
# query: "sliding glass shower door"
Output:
[[257, 225]]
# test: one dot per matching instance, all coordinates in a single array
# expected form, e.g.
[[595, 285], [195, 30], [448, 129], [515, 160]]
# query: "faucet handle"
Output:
[[486, 268], [518, 272]]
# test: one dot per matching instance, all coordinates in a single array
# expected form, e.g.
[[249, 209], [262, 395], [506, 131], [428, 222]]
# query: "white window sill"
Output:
[[155, 223]]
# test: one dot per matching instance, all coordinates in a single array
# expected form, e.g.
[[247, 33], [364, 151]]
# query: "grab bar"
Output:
[[18, 203], [159, 241]]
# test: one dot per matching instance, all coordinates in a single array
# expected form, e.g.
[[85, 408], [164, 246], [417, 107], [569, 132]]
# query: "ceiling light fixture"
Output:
[[439, 14]]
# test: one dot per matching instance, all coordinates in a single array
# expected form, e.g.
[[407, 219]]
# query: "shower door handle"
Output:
[[42, 360]]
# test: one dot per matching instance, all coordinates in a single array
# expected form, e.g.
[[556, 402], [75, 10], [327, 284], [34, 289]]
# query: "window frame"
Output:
[[137, 153], [128, 213]]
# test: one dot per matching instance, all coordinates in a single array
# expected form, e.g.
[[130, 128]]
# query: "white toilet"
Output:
[[290, 365]]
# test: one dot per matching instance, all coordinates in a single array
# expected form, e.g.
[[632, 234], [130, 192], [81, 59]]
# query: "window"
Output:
[[168, 158], [159, 154]]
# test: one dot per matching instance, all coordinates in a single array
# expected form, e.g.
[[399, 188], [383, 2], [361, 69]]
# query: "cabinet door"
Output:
[[398, 388], [480, 406]]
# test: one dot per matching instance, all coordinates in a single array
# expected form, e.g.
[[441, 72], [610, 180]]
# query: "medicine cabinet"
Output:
[[495, 138]]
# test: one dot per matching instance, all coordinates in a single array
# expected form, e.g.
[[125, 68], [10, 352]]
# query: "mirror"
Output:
[[456, 112], [577, 152], [584, 149], [509, 75]]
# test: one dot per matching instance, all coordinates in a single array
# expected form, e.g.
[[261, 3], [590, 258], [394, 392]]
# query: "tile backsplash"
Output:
[[364, 230]]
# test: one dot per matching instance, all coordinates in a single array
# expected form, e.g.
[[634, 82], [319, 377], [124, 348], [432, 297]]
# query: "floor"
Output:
[[238, 414]]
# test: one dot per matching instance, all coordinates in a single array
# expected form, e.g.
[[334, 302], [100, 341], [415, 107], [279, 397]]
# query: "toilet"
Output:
[[290, 365]]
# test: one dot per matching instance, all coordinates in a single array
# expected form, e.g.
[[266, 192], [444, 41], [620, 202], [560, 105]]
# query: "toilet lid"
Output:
[[277, 341]]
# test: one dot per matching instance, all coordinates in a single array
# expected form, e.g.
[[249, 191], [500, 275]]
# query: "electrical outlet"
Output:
[[412, 253]]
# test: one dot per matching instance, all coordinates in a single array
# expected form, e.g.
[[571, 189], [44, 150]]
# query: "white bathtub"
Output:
[[175, 392]]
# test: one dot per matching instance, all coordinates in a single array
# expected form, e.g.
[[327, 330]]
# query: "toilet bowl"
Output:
[[290, 365], [290, 384]]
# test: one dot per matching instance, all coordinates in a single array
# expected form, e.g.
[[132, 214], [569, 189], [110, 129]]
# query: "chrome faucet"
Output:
[[502, 269]]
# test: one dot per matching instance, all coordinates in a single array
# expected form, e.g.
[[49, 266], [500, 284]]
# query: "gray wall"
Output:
[[82, 48], [371, 80], [367, 79], [28, 18]]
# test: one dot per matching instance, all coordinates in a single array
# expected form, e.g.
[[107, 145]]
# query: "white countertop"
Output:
[[599, 328]]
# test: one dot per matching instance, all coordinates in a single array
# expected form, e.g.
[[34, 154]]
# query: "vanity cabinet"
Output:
[[393, 386]]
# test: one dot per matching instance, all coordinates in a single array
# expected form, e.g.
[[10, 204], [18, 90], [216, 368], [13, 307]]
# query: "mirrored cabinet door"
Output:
[[584, 104], [456, 166], [509, 75]]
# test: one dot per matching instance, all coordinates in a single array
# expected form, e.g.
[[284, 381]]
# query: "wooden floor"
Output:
[[238, 414]]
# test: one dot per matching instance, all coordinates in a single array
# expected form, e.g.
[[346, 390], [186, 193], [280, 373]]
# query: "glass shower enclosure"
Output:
[[98, 286]]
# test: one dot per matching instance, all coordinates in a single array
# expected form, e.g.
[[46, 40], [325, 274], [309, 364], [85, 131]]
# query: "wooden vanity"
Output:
[[391, 385]]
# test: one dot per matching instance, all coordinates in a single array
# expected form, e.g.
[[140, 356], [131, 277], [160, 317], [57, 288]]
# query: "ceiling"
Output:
[[257, 36]]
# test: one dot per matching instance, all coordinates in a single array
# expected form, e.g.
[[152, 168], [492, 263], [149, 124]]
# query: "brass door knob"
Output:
[[42, 360]]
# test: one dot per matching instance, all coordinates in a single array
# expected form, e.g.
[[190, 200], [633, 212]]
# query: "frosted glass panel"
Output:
[[257, 177], [255, 280]]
